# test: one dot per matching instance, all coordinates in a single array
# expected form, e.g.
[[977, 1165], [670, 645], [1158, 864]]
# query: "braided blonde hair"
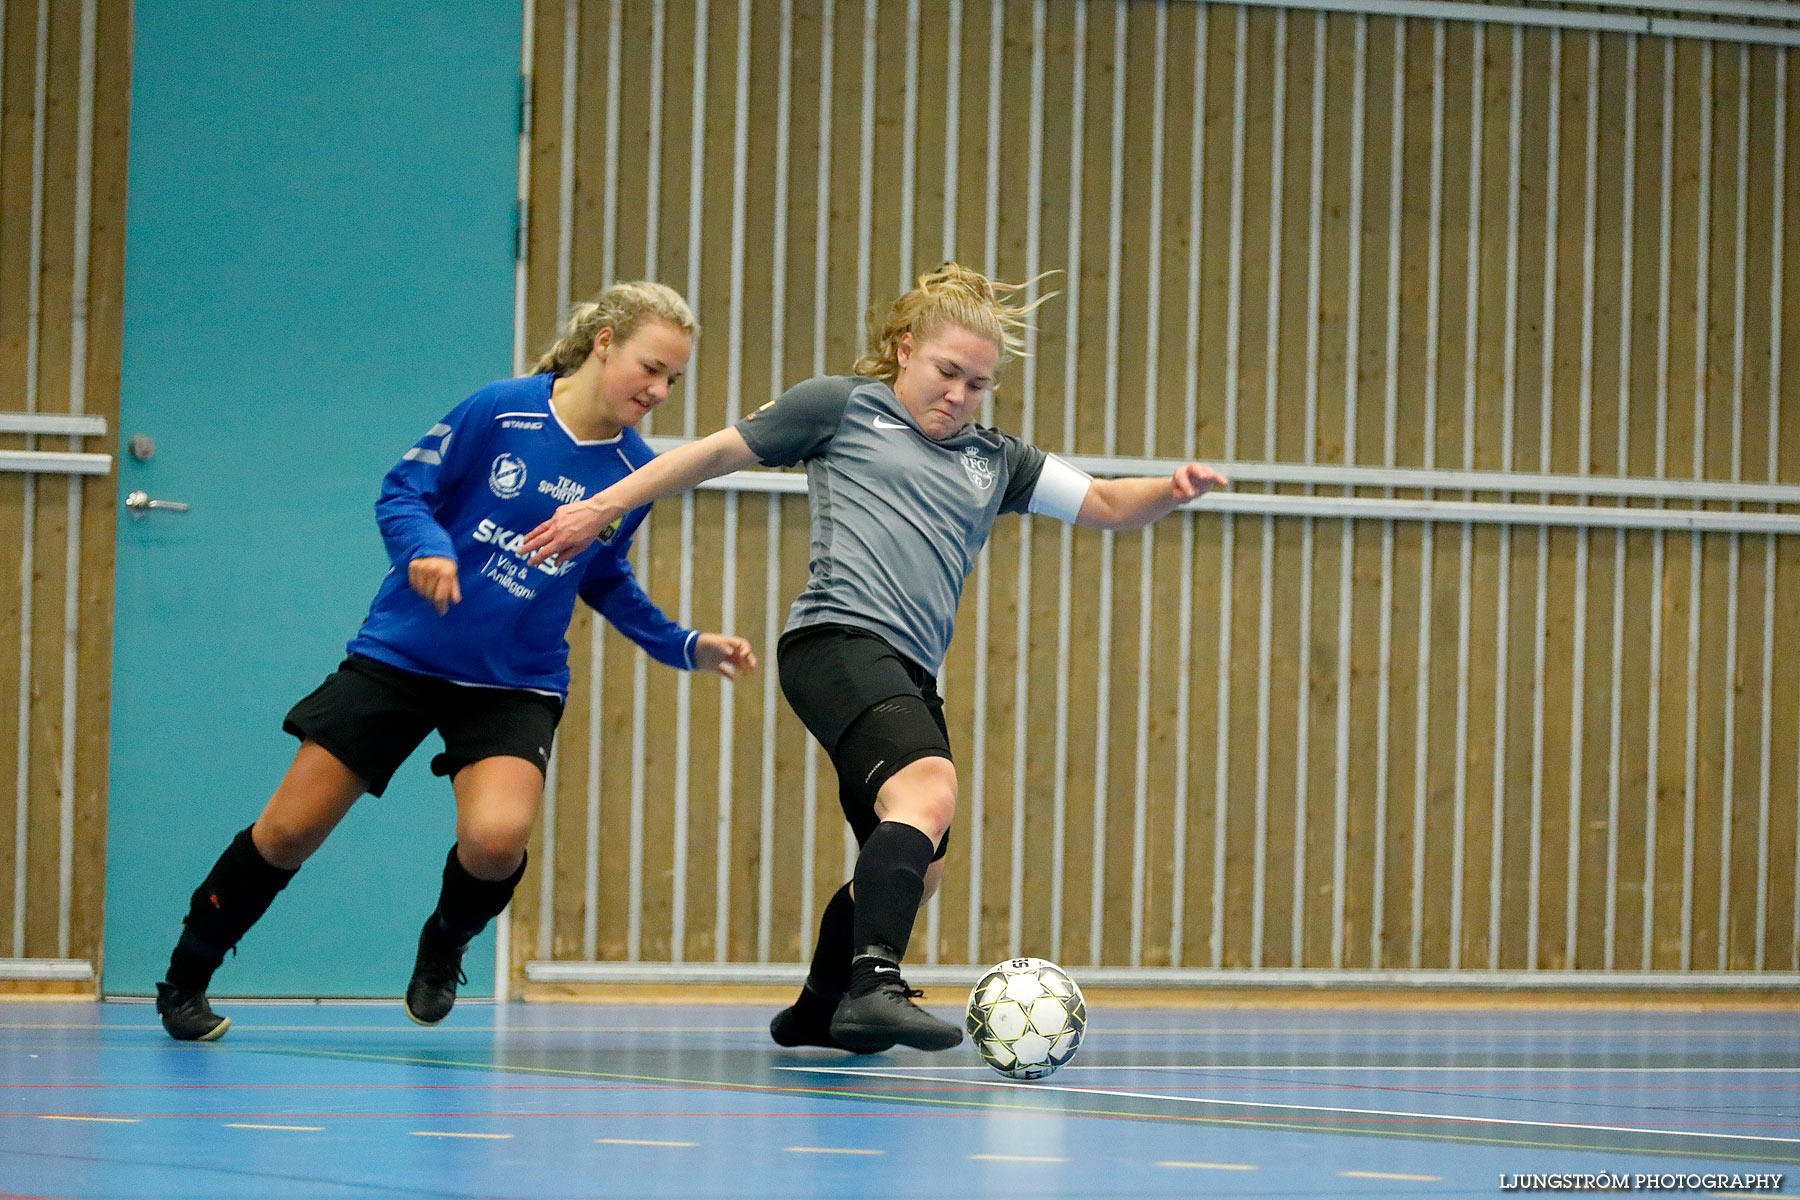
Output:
[[950, 295], [623, 307]]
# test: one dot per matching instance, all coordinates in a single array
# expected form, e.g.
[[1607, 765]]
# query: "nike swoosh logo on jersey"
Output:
[[882, 423]]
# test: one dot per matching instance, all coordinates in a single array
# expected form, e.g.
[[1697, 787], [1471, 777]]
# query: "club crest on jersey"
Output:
[[507, 476], [981, 470]]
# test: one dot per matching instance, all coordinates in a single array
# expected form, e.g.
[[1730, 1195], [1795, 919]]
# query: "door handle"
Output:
[[140, 503]]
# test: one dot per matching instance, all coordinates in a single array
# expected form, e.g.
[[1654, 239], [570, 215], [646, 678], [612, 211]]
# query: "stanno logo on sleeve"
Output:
[[507, 476], [981, 470]]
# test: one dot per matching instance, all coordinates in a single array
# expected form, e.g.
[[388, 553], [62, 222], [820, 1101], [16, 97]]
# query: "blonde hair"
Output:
[[952, 295], [623, 307]]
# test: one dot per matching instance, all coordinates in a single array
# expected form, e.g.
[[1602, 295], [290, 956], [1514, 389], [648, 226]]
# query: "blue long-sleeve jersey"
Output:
[[470, 490]]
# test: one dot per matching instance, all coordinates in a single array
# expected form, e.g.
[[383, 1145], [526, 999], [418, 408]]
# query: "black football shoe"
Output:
[[807, 1022], [879, 1014], [437, 970], [187, 1016]]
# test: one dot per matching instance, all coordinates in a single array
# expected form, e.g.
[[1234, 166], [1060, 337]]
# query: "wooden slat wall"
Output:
[[48, 129], [1319, 330]]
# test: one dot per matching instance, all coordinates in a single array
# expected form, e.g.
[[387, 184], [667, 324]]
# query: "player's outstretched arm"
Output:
[[574, 527], [1135, 502]]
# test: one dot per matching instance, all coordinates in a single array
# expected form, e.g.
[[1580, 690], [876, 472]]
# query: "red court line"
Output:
[[1424, 1086], [345, 1087], [489, 1114], [945, 1087], [1515, 1087], [1421, 1086]]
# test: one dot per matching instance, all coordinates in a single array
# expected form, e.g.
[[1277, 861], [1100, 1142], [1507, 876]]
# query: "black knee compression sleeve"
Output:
[[233, 897], [466, 904], [890, 882]]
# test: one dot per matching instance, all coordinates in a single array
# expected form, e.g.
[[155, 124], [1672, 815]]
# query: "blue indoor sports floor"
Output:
[[548, 1100]]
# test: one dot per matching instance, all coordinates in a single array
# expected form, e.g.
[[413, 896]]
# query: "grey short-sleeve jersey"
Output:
[[897, 518]]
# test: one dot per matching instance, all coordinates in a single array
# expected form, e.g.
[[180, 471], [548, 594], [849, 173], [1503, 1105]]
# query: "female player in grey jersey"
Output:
[[903, 491]]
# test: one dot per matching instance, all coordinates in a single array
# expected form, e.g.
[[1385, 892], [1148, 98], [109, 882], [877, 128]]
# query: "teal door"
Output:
[[319, 265]]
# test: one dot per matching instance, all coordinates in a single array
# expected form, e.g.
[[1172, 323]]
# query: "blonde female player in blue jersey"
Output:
[[467, 637], [903, 492]]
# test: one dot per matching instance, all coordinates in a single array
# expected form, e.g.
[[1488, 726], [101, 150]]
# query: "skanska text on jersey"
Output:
[[509, 541]]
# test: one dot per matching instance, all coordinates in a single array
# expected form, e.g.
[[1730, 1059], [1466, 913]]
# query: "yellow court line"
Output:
[[1210, 1166], [1037, 1158], [495, 1137], [829, 1150], [1386, 1175], [97, 1120], [637, 1142], [292, 1128]]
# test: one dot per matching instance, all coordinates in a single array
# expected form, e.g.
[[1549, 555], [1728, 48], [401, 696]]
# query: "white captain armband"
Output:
[[1060, 490]]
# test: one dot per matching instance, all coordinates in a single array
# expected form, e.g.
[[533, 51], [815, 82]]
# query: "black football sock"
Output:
[[890, 883], [233, 897], [466, 904], [830, 974]]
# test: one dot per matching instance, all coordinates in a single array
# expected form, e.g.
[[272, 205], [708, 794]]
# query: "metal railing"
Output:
[[1227, 166], [34, 462]]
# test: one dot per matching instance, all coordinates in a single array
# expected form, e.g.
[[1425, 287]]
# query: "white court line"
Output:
[[287, 1128], [640, 1142], [95, 1120], [830, 1150], [1321, 1108], [1386, 1175], [895, 1071], [1199, 1166]]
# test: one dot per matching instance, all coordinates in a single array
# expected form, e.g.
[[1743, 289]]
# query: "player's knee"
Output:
[[285, 842], [491, 845], [922, 794]]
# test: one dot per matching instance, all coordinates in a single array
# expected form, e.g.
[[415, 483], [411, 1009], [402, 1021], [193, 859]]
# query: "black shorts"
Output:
[[372, 716], [873, 710]]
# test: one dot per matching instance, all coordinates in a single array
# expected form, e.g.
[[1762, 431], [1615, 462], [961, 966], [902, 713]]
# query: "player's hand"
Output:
[[729, 656], [1193, 480], [570, 530], [434, 578]]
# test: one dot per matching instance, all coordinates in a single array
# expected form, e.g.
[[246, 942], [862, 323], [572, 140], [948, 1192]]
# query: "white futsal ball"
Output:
[[1026, 1017]]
